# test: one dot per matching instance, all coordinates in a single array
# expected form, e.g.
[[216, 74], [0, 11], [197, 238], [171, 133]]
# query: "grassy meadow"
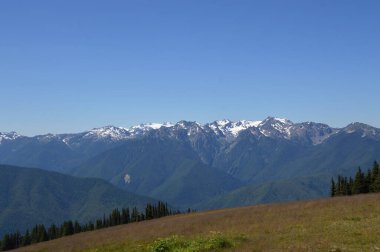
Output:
[[333, 224]]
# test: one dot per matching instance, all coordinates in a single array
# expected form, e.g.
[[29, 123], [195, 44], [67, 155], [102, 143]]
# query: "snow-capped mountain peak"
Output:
[[230, 128], [283, 120], [273, 126], [112, 132], [222, 130], [247, 123], [237, 127], [364, 129], [148, 126], [222, 123], [276, 120], [187, 124], [8, 136]]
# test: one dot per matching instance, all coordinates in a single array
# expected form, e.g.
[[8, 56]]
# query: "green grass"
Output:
[[214, 241], [348, 224], [177, 243]]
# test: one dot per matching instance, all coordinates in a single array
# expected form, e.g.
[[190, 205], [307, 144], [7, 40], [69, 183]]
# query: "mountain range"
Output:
[[30, 196], [188, 164]]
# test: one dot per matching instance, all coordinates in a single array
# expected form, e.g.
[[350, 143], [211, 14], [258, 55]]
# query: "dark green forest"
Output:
[[40, 233], [363, 182]]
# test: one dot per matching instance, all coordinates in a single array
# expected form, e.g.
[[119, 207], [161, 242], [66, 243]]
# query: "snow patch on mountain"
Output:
[[276, 127], [239, 126], [127, 179], [120, 133], [223, 123], [269, 127], [112, 132], [8, 136], [221, 129], [282, 120], [230, 128], [149, 126], [143, 128], [364, 129]]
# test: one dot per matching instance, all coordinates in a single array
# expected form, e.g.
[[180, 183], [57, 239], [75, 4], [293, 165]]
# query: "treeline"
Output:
[[361, 183], [40, 233]]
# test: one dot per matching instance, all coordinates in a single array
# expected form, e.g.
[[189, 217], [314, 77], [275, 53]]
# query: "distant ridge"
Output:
[[189, 164], [222, 128], [30, 196]]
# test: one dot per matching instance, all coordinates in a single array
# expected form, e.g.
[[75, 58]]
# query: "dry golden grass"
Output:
[[338, 224]]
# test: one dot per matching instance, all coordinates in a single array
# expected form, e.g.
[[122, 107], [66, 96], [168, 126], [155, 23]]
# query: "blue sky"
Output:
[[68, 66]]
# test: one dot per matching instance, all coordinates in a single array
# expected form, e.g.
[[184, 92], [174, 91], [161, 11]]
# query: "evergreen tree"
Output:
[[141, 217], [26, 239], [67, 228], [367, 182], [375, 186], [347, 183], [98, 224], [149, 212], [332, 190], [17, 239], [135, 215], [375, 170], [42, 233], [77, 227], [338, 187], [351, 185], [91, 226], [39, 233], [362, 183], [125, 217], [115, 217], [6, 243], [359, 183], [53, 232], [34, 238], [105, 222]]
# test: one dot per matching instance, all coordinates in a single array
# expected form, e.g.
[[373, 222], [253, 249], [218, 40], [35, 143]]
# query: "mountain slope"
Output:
[[54, 152], [257, 160], [340, 154], [251, 156], [60, 152], [334, 224], [160, 167], [276, 191], [162, 160], [270, 152], [31, 196]]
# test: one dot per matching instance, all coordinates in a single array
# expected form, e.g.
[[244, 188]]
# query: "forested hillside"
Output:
[[31, 196]]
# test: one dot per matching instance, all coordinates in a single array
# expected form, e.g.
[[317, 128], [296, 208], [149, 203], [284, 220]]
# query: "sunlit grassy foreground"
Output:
[[212, 242], [337, 224]]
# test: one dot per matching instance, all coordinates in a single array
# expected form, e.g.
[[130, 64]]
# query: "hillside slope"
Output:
[[286, 190], [160, 167], [189, 164], [334, 224], [31, 196]]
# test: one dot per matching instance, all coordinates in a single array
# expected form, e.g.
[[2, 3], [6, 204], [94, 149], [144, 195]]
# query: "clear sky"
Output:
[[68, 66]]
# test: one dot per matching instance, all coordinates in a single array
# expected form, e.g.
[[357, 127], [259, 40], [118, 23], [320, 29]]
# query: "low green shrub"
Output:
[[214, 241]]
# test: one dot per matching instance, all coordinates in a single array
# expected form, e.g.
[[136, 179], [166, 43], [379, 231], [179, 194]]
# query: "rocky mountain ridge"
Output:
[[221, 129]]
